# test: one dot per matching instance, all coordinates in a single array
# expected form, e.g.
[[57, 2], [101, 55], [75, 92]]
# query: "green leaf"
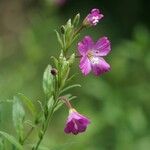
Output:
[[72, 77], [48, 81], [18, 116], [28, 102], [70, 87], [5, 101], [55, 61], [12, 140], [76, 20], [59, 38], [50, 102], [2, 144], [71, 59]]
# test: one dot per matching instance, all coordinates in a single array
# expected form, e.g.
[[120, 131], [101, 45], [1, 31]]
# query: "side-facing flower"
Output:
[[92, 55], [76, 122], [93, 17]]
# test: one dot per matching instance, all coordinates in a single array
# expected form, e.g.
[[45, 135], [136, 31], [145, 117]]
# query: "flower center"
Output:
[[92, 58], [90, 54]]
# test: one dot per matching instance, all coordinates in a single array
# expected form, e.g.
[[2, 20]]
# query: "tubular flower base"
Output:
[[92, 55], [76, 123], [93, 18]]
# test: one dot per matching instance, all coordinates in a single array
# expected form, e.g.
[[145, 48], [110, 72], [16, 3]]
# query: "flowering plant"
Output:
[[56, 79]]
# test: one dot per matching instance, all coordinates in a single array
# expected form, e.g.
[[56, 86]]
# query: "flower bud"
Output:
[[76, 123], [93, 18]]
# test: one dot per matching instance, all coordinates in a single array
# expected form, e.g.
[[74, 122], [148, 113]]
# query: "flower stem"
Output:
[[78, 30], [68, 104]]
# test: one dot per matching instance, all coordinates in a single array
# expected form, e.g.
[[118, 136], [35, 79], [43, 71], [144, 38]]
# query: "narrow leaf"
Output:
[[76, 20], [70, 87], [12, 140], [59, 38], [28, 102]]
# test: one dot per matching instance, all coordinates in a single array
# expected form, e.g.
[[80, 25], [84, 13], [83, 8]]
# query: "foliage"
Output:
[[118, 103]]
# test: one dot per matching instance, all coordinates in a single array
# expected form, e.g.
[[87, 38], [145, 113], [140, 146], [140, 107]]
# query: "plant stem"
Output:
[[78, 30], [44, 129], [28, 134]]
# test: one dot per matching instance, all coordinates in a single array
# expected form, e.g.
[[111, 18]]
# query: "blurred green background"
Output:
[[118, 103]]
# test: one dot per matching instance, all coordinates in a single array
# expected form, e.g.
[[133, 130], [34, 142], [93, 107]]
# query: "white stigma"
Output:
[[94, 60]]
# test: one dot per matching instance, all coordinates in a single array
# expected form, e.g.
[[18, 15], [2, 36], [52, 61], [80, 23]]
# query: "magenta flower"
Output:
[[93, 18], [76, 122], [92, 55]]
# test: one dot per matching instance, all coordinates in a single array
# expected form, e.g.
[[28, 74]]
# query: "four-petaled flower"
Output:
[[93, 18], [76, 122], [91, 55]]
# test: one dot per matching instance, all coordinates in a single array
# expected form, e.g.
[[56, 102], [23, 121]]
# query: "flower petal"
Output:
[[101, 67], [85, 65], [69, 127], [85, 45], [102, 46]]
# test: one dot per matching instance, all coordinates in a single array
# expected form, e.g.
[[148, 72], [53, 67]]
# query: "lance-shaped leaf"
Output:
[[48, 81], [76, 20], [18, 116], [12, 140], [28, 102], [70, 87], [59, 38]]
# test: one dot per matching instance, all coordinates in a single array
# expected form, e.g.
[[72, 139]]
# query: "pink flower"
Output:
[[93, 18], [92, 55], [76, 122]]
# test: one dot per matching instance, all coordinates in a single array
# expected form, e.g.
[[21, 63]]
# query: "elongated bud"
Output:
[[93, 18]]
